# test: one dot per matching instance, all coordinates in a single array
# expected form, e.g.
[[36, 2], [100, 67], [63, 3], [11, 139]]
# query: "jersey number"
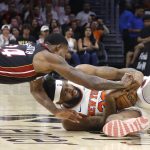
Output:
[[12, 52]]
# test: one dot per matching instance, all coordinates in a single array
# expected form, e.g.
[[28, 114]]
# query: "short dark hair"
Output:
[[56, 38]]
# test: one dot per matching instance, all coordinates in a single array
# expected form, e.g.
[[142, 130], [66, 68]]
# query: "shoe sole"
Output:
[[119, 128]]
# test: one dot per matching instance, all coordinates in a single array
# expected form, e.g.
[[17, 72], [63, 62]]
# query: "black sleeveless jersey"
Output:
[[16, 63]]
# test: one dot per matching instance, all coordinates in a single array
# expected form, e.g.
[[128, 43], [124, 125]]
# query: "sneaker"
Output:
[[119, 128]]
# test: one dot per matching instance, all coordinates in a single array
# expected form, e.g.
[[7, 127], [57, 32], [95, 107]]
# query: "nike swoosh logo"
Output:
[[80, 109]]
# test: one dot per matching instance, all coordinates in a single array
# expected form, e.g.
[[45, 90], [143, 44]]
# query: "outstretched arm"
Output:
[[111, 73], [58, 64], [36, 88]]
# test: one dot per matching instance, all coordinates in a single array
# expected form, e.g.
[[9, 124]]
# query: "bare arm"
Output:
[[137, 50], [143, 40], [75, 44], [58, 64], [36, 89], [80, 46], [95, 46], [111, 73]]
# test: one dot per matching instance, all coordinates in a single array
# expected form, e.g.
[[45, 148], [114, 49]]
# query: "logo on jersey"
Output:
[[30, 49], [93, 100]]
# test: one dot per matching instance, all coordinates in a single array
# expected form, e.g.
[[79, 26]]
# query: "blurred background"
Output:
[[99, 32]]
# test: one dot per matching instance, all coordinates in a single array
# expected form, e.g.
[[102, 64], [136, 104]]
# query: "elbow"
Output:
[[35, 89]]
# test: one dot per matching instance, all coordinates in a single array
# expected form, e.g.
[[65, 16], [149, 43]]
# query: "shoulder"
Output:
[[45, 56]]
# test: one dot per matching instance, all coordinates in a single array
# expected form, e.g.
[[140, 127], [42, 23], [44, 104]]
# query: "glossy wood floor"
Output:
[[25, 125]]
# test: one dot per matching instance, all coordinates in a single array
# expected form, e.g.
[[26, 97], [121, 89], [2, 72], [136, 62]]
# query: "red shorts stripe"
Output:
[[21, 75], [18, 72], [18, 68]]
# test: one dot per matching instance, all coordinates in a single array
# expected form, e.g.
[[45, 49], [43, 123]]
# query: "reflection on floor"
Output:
[[24, 124]]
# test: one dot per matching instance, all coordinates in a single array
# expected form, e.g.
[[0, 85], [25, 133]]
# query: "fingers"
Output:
[[74, 116], [133, 86], [83, 116]]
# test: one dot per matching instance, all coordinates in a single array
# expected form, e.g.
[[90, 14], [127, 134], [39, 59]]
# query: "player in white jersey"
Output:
[[95, 106], [132, 119]]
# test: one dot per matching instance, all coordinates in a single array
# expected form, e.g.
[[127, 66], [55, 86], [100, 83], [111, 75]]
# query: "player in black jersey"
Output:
[[24, 63]]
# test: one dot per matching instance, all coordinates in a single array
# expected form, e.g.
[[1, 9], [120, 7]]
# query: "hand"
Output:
[[70, 115], [127, 80]]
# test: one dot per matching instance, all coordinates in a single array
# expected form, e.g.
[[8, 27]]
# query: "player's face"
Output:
[[69, 92]]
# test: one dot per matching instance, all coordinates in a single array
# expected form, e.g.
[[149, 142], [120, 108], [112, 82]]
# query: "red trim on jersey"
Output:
[[18, 72], [18, 68]]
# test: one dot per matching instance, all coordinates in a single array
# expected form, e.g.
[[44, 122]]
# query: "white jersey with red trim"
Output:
[[92, 102], [143, 93]]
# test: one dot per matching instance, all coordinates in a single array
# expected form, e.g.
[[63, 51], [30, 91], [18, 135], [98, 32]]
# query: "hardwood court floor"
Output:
[[26, 125]]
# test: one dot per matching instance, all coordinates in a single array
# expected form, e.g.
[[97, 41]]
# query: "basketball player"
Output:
[[23, 63], [98, 106], [132, 119]]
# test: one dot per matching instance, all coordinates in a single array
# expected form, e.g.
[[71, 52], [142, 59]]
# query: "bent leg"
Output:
[[125, 123], [124, 115]]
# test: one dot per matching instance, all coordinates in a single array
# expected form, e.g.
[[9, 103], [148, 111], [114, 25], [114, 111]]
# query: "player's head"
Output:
[[144, 91], [57, 43], [62, 92]]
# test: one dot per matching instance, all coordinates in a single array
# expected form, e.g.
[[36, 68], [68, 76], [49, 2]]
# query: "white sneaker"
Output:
[[119, 128]]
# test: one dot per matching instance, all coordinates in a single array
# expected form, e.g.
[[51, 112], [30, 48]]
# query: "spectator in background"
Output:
[[147, 6], [83, 16], [144, 37], [124, 20], [35, 29], [87, 48], [27, 13], [65, 18], [56, 29], [49, 18], [15, 32], [77, 30], [3, 6], [134, 28], [59, 7], [53, 24], [72, 44], [37, 15], [99, 30], [14, 22], [11, 13], [48, 11], [6, 36], [44, 33], [26, 36]]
